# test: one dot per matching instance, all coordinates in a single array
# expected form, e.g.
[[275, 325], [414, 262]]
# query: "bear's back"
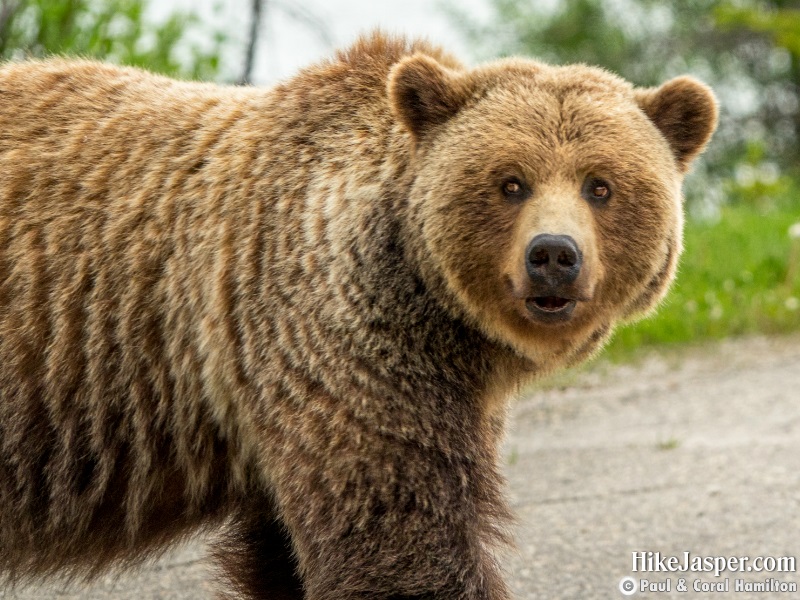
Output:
[[105, 219]]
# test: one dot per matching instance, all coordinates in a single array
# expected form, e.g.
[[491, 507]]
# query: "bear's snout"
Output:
[[553, 260], [553, 264]]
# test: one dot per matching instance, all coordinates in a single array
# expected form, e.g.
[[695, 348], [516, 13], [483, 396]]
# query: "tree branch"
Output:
[[8, 9], [256, 10]]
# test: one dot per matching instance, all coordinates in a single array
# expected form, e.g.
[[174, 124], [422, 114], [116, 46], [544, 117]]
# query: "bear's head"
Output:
[[548, 199]]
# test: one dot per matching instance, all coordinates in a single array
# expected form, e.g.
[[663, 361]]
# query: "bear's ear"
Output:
[[685, 111], [423, 93]]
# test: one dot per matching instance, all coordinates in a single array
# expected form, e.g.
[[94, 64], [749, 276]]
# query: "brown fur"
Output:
[[297, 311]]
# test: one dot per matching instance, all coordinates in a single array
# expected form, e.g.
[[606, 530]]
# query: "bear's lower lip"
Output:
[[550, 308], [551, 303]]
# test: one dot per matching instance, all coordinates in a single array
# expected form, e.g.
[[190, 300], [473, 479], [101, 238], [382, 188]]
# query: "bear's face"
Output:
[[549, 197]]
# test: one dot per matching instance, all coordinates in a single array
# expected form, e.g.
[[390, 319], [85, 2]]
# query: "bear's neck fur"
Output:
[[351, 289]]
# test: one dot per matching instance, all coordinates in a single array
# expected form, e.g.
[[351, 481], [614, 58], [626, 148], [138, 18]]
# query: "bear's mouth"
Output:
[[550, 308]]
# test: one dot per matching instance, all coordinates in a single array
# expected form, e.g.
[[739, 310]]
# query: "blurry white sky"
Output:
[[287, 44]]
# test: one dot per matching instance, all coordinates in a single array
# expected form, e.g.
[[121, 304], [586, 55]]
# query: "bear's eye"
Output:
[[596, 189], [514, 189]]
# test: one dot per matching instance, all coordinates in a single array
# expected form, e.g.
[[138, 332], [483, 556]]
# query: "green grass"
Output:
[[739, 275], [668, 444]]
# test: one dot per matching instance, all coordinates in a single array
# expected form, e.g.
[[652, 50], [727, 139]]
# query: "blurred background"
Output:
[[740, 273]]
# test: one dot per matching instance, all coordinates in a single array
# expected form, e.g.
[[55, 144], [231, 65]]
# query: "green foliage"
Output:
[[782, 25], [642, 40], [113, 30]]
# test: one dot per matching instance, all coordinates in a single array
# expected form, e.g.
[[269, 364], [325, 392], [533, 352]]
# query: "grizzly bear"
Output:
[[295, 315]]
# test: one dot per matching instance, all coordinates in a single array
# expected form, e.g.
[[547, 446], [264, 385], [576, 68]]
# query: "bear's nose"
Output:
[[553, 259]]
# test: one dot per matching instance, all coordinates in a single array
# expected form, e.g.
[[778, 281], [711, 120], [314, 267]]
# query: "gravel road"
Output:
[[694, 451]]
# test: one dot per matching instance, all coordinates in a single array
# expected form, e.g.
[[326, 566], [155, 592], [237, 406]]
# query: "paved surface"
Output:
[[694, 452]]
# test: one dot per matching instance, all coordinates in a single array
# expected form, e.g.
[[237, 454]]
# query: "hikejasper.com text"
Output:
[[655, 562]]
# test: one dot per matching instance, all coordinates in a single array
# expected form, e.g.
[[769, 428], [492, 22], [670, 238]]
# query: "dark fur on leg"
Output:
[[256, 559]]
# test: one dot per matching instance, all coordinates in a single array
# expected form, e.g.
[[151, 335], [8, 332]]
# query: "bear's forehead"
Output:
[[556, 119], [561, 81], [517, 92], [558, 113]]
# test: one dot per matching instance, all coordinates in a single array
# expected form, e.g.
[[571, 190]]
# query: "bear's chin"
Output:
[[545, 330]]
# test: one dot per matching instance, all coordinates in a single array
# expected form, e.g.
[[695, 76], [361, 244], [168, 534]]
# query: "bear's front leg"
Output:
[[381, 517], [255, 558]]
